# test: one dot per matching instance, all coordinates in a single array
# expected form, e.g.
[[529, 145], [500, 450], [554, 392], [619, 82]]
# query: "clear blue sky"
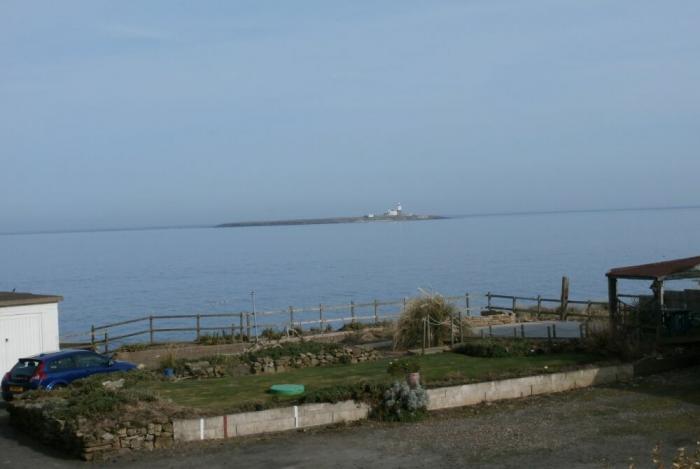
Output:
[[158, 113]]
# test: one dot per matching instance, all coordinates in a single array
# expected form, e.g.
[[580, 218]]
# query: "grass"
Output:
[[217, 395]]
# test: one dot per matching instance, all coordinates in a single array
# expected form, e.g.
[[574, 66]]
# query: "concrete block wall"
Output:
[[471, 394], [267, 421], [311, 415]]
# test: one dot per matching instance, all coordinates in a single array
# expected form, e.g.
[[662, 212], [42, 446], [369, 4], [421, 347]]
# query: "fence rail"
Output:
[[246, 326], [537, 306]]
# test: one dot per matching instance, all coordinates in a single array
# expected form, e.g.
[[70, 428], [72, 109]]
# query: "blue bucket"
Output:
[[169, 373]]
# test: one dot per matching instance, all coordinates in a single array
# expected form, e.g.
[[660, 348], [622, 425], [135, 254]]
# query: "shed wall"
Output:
[[27, 330]]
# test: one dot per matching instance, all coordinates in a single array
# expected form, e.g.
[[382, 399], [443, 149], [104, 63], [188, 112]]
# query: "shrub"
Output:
[[402, 367], [271, 334], [403, 403], [410, 328], [493, 348], [363, 392]]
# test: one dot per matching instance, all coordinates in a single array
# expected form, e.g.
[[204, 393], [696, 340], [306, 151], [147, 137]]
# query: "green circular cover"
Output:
[[287, 389]]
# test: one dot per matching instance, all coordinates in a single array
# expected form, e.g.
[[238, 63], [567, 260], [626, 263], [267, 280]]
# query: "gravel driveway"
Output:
[[595, 427]]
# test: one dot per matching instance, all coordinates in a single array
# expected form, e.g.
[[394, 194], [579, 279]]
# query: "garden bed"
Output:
[[229, 394]]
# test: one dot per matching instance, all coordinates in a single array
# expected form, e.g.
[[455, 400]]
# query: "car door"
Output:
[[90, 363], [62, 370]]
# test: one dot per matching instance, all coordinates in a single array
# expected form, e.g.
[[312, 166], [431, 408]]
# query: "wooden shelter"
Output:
[[665, 313]]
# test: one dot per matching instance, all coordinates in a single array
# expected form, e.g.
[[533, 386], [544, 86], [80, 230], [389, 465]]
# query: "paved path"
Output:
[[592, 428]]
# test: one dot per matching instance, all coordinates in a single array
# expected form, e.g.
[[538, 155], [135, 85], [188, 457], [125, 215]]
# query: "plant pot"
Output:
[[413, 379]]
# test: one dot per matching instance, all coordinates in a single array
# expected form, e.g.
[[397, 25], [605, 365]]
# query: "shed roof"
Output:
[[667, 270], [10, 298]]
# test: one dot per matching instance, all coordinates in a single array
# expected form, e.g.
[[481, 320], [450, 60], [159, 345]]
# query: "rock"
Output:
[[112, 385]]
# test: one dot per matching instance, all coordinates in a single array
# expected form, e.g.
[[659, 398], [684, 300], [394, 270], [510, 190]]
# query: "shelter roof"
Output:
[[10, 298], [667, 270]]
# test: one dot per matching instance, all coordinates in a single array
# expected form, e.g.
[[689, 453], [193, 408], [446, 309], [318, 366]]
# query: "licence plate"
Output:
[[16, 389]]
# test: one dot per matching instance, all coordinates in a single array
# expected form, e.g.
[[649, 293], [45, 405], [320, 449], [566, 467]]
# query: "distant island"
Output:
[[394, 214]]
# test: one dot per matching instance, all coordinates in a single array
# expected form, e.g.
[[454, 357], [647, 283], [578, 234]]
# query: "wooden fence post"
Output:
[[92, 336], [376, 313], [515, 306], [352, 311], [539, 306], [554, 330], [564, 296], [240, 329], [549, 335], [320, 317], [198, 327], [233, 332], [466, 304], [488, 301], [106, 343], [150, 328], [291, 317], [247, 327]]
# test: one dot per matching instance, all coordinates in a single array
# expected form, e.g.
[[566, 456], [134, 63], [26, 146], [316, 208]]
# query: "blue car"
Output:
[[57, 369]]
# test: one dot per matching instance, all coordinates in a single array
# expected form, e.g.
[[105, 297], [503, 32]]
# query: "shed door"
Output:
[[20, 336]]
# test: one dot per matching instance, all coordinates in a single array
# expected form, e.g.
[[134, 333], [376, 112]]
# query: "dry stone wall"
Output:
[[88, 439]]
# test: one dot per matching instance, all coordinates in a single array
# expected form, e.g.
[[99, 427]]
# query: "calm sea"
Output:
[[108, 276]]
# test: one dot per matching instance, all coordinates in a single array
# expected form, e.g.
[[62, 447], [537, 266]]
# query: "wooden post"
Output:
[[320, 317], [233, 332], [612, 304], [150, 328], [580, 330], [488, 301], [106, 343], [461, 327], [588, 309], [514, 308], [564, 296], [291, 317], [466, 304], [92, 336], [247, 326], [549, 335], [554, 330], [522, 330], [199, 332], [240, 329], [376, 312], [352, 311], [539, 306]]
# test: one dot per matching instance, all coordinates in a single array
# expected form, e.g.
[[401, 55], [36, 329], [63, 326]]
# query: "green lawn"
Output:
[[226, 394]]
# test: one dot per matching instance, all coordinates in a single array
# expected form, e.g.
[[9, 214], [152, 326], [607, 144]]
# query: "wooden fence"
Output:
[[247, 326], [538, 306]]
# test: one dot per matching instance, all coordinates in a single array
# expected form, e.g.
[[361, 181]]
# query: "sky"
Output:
[[132, 113]]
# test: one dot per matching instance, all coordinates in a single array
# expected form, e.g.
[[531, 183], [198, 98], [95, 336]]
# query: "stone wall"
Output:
[[305, 360], [87, 439]]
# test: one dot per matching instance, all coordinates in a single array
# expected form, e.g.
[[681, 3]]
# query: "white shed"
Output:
[[28, 325]]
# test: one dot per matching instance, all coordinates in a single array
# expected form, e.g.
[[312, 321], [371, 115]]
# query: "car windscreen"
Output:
[[24, 368]]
